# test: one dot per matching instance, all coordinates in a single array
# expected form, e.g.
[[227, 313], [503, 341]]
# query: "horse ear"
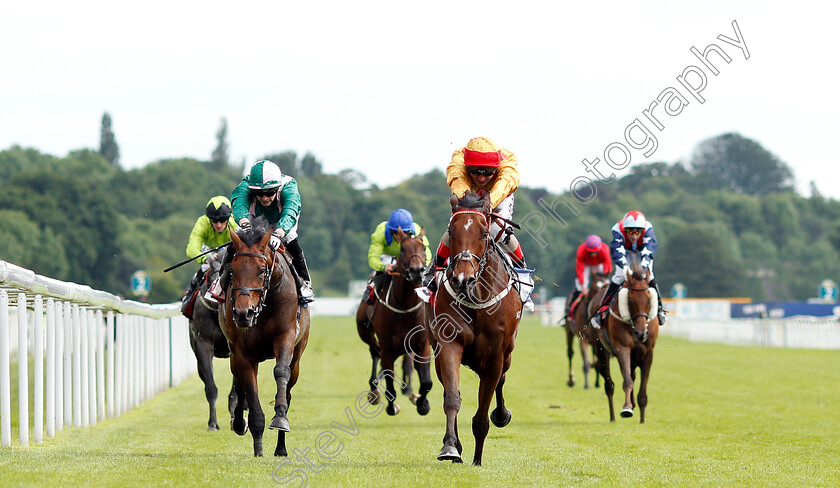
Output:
[[401, 235], [237, 242], [627, 273], [453, 201], [422, 232], [647, 274]]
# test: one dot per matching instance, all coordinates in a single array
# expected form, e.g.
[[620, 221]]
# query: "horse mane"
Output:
[[251, 235], [471, 200]]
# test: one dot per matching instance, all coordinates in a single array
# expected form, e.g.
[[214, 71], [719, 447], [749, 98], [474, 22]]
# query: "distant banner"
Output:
[[775, 310]]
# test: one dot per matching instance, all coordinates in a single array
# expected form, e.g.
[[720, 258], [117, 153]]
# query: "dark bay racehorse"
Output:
[[629, 334], [208, 340], [393, 326], [472, 320], [262, 321], [578, 330]]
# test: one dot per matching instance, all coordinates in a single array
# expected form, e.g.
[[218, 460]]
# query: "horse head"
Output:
[[412, 260], [469, 229], [639, 298], [251, 268]]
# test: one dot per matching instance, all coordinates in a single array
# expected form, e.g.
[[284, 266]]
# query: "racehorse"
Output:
[[629, 334], [473, 320], [579, 328], [393, 326], [262, 320], [208, 341]]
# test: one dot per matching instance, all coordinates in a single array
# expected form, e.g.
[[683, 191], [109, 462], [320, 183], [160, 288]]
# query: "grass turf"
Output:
[[717, 416]]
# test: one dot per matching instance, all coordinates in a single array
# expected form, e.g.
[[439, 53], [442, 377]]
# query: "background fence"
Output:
[[94, 355]]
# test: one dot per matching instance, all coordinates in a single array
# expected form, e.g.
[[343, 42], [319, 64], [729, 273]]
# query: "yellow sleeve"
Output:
[[507, 179], [457, 176], [377, 247]]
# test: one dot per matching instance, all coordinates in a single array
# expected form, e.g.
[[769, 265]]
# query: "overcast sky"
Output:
[[392, 88]]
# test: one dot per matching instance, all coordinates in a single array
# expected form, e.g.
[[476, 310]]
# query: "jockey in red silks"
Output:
[[633, 233], [485, 168], [592, 255]]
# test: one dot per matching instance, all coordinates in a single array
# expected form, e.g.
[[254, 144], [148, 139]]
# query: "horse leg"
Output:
[[570, 342], [282, 377], [246, 375], [501, 416], [408, 370], [594, 364], [623, 355], [373, 395], [204, 356], [390, 391], [604, 369], [643, 399], [490, 379], [584, 343], [425, 374], [238, 422], [448, 367]]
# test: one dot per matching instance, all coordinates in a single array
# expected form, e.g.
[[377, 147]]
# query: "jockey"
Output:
[[266, 192], [384, 248], [485, 168], [592, 255], [634, 233], [210, 230]]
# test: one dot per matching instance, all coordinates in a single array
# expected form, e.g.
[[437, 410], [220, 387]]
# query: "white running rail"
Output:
[[101, 355]]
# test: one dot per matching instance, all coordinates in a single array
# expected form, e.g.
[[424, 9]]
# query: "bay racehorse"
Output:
[[473, 320], [629, 334], [207, 339], [578, 330], [393, 327], [262, 320]]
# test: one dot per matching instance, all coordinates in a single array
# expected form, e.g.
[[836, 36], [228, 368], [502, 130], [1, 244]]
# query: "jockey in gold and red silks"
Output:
[[485, 168]]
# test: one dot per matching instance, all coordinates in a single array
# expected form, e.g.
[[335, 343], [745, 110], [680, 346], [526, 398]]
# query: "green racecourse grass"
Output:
[[718, 416]]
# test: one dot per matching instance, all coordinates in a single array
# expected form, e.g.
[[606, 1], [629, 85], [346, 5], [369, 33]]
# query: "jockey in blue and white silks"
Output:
[[634, 234]]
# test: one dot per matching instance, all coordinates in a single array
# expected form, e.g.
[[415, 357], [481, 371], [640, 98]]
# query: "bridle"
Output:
[[246, 290], [404, 275], [466, 254], [634, 317]]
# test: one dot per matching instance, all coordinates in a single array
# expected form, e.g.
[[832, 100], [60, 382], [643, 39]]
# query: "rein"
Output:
[[403, 275]]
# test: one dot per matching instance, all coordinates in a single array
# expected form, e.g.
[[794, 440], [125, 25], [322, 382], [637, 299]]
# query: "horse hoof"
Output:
[[212, 428], [500, 419], [571, 382], [627, 413], [279, 423], [373, 397], [413, 398], [392, 409], [423, 406], [237, 428], [449, 453]]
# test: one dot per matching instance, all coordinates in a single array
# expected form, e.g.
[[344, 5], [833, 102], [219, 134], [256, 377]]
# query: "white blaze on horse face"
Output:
[[468, 224]]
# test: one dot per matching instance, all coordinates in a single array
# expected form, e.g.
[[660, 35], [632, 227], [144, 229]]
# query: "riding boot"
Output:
[[216, 290], [429, 277], [601, 314], [299, 262], [660, 311]]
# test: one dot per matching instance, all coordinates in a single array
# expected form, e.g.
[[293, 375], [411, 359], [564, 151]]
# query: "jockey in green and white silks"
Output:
[[266, 191], [384, 249]]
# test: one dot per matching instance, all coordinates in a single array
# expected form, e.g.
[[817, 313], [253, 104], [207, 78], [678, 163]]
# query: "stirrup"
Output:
[[306, 294]]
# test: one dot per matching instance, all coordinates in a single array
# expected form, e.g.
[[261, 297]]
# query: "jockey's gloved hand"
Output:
[[204, 248], [245, 224], [276, 239]]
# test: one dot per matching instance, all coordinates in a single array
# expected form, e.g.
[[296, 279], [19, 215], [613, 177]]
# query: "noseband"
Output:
[[246, 290]]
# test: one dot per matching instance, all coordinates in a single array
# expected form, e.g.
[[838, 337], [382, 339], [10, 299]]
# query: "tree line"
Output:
[[728, 221]]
